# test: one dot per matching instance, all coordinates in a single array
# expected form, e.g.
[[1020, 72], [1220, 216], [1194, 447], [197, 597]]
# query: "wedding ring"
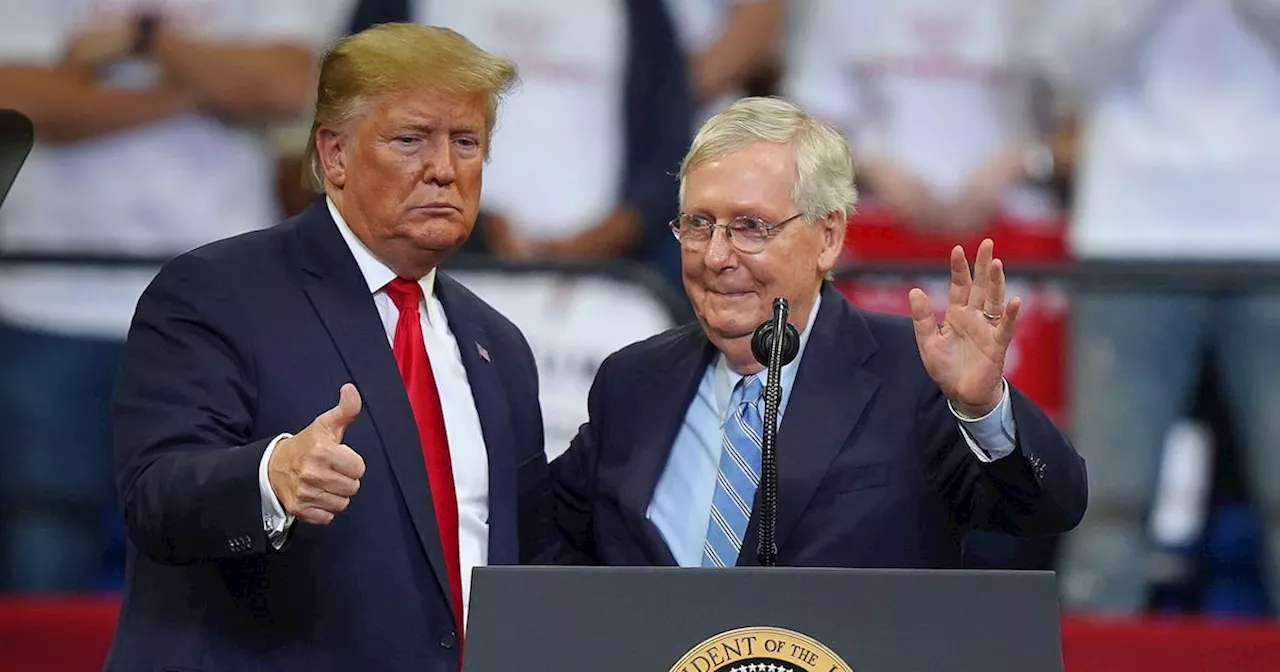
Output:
[[989, 316]]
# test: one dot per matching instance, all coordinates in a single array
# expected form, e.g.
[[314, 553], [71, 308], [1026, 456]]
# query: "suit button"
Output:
[[448, 640]]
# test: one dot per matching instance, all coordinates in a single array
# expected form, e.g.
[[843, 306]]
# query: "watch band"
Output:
[[144, 35]]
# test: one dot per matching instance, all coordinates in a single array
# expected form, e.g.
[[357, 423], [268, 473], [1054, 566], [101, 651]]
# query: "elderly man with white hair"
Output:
[[897, 436]]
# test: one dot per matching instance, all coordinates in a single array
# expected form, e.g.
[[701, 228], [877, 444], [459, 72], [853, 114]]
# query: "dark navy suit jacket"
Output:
[[237, 342], [872, 469]]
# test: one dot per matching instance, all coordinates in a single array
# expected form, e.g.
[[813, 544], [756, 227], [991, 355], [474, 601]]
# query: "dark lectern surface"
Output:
[[623, 619]]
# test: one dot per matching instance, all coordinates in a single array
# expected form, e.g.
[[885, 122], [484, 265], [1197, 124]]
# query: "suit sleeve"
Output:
[[186, 470], [573, 479], [539, 544], [1040, 489]]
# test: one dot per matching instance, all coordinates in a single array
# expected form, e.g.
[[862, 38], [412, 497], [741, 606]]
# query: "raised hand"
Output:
[[313, 474], [965, 353]]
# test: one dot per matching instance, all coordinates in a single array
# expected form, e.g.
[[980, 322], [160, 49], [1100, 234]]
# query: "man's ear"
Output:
[[833, 228], [331, 146]]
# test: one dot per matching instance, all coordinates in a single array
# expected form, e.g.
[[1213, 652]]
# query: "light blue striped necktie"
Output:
[[738, 478]]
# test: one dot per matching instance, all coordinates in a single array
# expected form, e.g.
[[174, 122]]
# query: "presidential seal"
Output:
[[761, 649]]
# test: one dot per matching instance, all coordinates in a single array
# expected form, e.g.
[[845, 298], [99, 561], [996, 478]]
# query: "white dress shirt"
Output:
[[462, 423]]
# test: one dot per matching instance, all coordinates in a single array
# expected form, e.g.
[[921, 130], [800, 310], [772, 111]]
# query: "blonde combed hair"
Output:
[[398, 58], [824, 164]]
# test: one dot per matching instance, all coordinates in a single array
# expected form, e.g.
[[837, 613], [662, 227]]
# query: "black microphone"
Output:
[[16, 139], [774, 353]]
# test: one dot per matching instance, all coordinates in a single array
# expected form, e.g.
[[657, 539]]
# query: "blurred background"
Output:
[[1120, 154]]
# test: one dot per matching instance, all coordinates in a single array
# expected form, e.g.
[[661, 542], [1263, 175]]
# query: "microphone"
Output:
[[16, 139], [774, 352]]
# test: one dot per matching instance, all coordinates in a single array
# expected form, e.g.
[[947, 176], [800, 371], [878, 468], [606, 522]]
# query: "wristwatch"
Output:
[[144, 35]]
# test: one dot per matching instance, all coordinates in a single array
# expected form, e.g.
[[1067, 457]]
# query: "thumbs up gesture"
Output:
[[313, 474]]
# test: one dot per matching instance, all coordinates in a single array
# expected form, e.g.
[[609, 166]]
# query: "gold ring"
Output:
[[989, 316]]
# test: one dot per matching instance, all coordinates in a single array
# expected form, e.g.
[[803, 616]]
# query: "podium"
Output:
[[761, 619]]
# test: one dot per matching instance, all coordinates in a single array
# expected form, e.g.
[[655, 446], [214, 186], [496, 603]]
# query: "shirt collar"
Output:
[[376, 273], [726, 379]]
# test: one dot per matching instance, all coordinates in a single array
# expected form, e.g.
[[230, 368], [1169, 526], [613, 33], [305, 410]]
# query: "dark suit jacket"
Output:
[[237, 342], [872, 469]]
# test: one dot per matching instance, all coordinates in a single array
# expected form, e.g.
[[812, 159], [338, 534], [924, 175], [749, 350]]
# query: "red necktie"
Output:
[[420, 383]]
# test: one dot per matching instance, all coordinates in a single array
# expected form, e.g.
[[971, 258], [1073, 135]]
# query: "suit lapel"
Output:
[[333, 283], [665, 393], [831, 392], [495, 416]]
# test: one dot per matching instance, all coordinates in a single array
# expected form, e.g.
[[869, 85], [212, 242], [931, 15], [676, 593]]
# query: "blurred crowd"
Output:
[[1154, 125]]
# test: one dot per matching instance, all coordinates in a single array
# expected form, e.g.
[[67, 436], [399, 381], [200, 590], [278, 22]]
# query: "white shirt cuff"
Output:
[[274, 519], [992, 436]]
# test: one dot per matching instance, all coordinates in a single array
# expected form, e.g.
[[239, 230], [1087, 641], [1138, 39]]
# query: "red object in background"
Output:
[[55, 634], [1170, 645], [1037, 360], [72, 635], [876, 233]]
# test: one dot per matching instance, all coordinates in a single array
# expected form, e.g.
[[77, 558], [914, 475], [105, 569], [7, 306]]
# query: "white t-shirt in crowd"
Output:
[[157, 189], [931, 84], [1181, 147], [555, 167], [698, 24]]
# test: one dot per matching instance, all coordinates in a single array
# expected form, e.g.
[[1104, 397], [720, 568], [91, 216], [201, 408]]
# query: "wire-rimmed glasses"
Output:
[[747, 234]]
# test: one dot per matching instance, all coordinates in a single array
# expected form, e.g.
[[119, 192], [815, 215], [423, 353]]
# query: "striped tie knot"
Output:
[[752, 393]]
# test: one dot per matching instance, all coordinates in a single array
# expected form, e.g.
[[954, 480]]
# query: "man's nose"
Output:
[[719, 252], [439, 164]]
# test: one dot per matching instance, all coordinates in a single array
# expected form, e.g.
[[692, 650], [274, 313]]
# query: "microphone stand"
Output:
[[774, 353]]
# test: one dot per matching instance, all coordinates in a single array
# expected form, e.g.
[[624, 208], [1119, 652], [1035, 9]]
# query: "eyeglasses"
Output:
[[747, 234]]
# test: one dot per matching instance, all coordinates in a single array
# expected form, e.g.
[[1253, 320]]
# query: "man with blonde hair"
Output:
[[317, 434], [890, 447]]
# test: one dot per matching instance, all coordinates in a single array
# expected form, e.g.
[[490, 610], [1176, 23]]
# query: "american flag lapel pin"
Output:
[[484, 354]]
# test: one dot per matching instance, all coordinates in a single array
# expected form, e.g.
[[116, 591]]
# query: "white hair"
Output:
[[824, 163]]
